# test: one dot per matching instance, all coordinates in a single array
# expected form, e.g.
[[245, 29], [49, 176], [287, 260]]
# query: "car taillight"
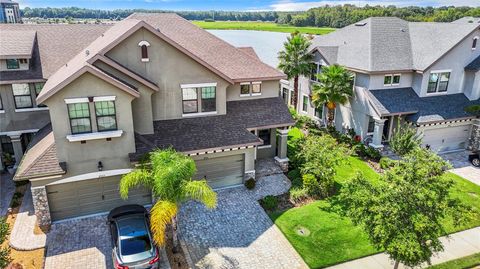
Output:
[[118, 266], [155, 259]]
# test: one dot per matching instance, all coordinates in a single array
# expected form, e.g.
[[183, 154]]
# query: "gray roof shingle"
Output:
[[216, 132], [421, 109], [474, 65], [391, 44]]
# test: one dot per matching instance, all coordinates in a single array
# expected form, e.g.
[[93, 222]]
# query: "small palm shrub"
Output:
[[405, 140], [269, 202], [250, 183], [4, 251], [298, 194]]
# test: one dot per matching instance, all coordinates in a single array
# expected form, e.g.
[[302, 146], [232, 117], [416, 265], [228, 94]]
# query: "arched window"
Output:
[[474, 44], [144, 50]]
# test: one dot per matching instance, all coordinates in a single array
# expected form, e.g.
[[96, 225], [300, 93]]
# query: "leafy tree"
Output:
[[319, 156], [169, 176], [405, 139], [296, 61], [335, 86], [403, 214]]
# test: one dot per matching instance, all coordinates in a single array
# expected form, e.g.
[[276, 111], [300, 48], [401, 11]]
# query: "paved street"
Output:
[[238, 233]]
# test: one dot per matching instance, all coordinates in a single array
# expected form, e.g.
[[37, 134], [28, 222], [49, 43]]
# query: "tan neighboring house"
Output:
[[150, 81]]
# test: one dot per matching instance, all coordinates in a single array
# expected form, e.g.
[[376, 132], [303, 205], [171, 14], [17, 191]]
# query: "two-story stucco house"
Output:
[[150, 81], [419, 72]]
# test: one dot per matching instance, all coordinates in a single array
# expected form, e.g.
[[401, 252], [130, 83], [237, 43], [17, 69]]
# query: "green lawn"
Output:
[[463, 263], [334, 239], [261, 26]]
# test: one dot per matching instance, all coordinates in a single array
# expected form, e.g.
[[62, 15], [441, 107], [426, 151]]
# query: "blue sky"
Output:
[[244, 5]]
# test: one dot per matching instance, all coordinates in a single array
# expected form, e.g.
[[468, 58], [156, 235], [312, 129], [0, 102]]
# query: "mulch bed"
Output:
[[177, 260]]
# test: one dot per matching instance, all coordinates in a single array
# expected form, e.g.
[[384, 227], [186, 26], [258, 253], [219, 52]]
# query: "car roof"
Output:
[[131, 226]]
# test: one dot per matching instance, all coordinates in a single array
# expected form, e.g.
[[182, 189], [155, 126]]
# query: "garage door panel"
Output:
[[221, 171], [447, 139], [87, 197]]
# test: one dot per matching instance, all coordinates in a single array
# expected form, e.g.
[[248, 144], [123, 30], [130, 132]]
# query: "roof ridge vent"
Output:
[[87, 52], [361, 23]]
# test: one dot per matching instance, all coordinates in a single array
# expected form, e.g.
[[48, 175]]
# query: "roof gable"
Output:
[[17, 44]]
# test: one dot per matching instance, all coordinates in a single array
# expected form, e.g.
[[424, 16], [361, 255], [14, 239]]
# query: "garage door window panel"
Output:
[[106, 116], [79, 115]]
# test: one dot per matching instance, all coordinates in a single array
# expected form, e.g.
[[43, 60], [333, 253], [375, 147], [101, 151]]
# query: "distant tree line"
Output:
[[325, 16]]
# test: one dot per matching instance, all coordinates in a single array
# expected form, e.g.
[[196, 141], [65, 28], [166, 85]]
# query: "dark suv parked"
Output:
[[474, 158], [131, 239]]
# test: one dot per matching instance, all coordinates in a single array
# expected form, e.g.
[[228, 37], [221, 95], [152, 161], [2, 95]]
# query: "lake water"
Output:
[[266, 44]]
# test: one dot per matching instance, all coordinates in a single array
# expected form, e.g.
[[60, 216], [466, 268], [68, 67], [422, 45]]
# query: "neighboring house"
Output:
[[418, 72], [150, 81], [9, 12]]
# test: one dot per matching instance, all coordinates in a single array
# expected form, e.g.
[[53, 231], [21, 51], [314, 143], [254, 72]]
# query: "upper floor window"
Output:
[[144, 50], [316, 68], [391, 80], [22, 96], [106, 116], [79, 115], [305, 103], [250, 88], [38, 88], [474, 43], [199, 99], [13, 64], [438, 82]]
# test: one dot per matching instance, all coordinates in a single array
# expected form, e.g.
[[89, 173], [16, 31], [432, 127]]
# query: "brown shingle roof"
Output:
[[250, 51], [16, 44], [41, 157], [57, 44], [210, 49]]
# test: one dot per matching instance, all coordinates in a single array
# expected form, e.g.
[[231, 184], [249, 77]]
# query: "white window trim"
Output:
[[250, 89], [2, 111], [198, 114], [264, 146], [31, 109], [391, 76], [428, 80], [143, 42], [317, 72], [145, 60], [104, 98], [94, 136], [76, 100], [308, 97], [198, 85], [396, 84]]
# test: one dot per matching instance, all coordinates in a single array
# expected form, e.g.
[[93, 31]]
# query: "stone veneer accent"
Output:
[[475, 137], [283, 163], [40, 204], [248, 175]]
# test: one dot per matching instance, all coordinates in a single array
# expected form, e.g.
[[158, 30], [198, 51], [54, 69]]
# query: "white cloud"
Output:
[[300, 6]]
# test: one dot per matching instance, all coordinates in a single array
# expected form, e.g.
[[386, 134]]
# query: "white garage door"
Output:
[[91, 196], [448, 138], [222, 172]]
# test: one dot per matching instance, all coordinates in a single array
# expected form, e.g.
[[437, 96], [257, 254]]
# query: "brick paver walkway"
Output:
[[7, 188], [456, 246], [238, 233], [22, 236]]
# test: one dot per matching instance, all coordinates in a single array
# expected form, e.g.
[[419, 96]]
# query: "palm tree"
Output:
[[335, 86], [295, 60], [169, 176]]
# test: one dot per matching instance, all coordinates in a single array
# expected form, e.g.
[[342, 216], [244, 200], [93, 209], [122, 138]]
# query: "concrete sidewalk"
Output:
[[456, 246]]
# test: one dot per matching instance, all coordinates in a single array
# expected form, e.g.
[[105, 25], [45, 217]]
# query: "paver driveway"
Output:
[[462, 167], [83, 243], [238, 233]]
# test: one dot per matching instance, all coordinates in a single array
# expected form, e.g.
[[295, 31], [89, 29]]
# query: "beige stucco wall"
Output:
[[269, 89], [17, 121], [268, 152], [168, 68], [83, 158]]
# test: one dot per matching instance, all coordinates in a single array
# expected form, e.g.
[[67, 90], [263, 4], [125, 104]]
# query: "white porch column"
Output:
[[17, 148], [378, 133]]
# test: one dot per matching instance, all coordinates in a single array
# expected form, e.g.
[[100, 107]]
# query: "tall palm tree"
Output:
[[335, 86], [169, 176], [295, 60]]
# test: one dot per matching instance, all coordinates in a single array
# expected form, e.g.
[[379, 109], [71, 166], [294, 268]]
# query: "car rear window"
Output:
[[135, 245]]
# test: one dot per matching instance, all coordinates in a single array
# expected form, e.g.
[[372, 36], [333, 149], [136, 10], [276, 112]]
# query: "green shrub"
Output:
[[298, 194], [269, 202], [313, 186], [295, 177], [373, 153], [4, 229], [5, 257], [405, 139], [474, 110], [250, 183], [386, 163]]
